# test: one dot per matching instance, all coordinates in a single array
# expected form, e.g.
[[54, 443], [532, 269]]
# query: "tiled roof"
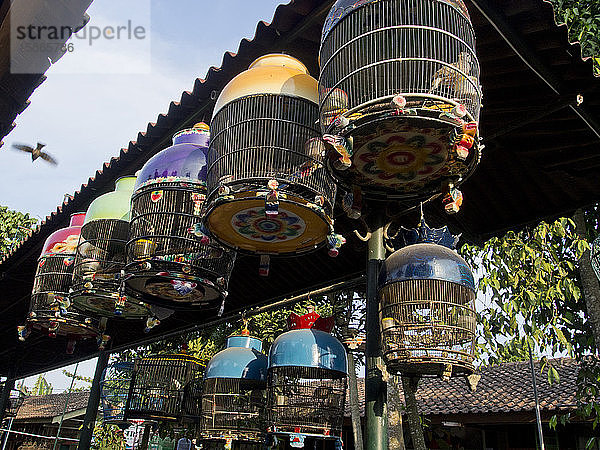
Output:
[[501, 389], [48, 406]]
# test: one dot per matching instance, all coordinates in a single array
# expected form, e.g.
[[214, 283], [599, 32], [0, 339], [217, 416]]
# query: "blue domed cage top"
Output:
[[114, 390], [427, 307], [307, 379], [233, 396], [399, 95], [171, 261]]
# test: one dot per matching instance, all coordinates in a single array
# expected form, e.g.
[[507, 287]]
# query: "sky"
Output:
[[92, 104], [86, 118]]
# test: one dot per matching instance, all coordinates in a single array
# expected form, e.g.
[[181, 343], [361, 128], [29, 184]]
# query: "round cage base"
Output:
[[121, 423], [108, 304], [173, 285], [241, 223], [216, 438], [406, 155], [73, 326], [299, 439], [435, 366]]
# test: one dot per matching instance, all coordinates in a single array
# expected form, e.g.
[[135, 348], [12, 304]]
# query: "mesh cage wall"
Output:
[[234, 408], [100, 257], [114, 390], [388, 47], [162, 233], [263, 137], [305, 400], [595, 256], [165, 387], [428, 327]]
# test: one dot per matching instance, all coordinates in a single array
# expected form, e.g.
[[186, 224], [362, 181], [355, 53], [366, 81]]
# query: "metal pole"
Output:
[[9, 385], [62, 417], [7, 433], [375, 387], [537, 401], [87, 429]]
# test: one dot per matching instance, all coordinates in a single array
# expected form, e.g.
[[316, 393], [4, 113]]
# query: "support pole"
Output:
[[62, 417], [375, 387], [9, 385], [87, 429], [538, 417]]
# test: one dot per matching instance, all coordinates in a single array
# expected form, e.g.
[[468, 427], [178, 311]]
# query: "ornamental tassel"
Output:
[[265, 263], [452, 200], [344, 148], [272, 199]]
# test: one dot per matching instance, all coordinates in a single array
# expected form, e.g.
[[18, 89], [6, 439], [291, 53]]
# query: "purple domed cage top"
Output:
[[184, 161]]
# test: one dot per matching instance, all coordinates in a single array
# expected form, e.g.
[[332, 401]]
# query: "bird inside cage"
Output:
[[454, 75]]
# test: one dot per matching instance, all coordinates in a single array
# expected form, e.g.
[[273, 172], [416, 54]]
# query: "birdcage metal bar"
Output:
[[271, 131], [233, 408], [306, 400], [114, 389], [427, 325], [165, 387]]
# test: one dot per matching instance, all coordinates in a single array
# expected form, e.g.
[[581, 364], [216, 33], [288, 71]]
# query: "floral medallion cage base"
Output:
[[427, 307], [306, 385], [166, 388], [233, 395], [400, 97], [101, 256], [50, 309], [268, 190], [171, 261]]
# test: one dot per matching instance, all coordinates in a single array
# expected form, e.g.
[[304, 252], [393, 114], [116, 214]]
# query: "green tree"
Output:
[[583, 22], [14, 228], [87, 380], [41, 387]]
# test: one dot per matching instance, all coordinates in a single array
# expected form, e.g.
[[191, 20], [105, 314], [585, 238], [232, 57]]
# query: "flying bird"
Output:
[[36, 152]]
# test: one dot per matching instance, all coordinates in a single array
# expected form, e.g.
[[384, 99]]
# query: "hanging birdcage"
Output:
[[101, 257], [170, 260], [15, 401], [400, 97], [427, 308], [166, 387], [306, 386], [595, 256], [233, 396], [114, 385], [50, 309], [268, 190]]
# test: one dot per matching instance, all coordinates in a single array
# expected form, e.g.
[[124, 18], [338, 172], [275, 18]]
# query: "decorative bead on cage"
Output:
[[101, 257], [399, 95], [50, 309], [166, 388], [233, 395], [427, 306], [268, 188], [171, 260], [595, 256], [306, 383], [114, 390]]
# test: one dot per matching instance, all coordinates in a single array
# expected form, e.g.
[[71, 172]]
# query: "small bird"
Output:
[[36, 152], [450, 76]]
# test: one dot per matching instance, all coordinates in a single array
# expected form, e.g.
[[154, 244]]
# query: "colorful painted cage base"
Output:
[[101, 256], [268, 190], [427, 310], [399, 96], [171, 261], [166, 388], [50, 310]]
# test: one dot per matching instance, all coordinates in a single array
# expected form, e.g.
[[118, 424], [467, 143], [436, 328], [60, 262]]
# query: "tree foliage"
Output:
[[14, 227], [583, 22]]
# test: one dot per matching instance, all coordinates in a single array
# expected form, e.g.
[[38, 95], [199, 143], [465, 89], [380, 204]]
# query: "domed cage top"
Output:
[[101, 257], [15, 401], [399, 94], [595, 256], [233, 396], [114, 385], [50, 308], [268, 188], [306, 385], [170, 260], [166, 387], [427, 309]]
